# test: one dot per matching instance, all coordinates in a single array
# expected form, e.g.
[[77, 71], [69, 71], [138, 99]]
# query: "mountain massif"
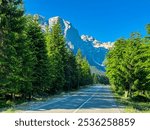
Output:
[[94, 50]]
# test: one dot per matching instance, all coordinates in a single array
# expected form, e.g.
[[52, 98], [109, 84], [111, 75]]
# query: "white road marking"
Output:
[[42, 109], [39, 107], [84, 103]]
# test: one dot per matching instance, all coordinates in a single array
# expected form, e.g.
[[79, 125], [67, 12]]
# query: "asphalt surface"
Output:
[[94, 99]]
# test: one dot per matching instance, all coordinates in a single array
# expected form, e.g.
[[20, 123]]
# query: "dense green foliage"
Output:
[[14, 49], [33, 62], [83, 70], [57, 53], [41, 69], [148, 28], [128, 66]]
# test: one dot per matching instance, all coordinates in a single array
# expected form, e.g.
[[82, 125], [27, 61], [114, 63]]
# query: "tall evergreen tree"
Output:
[[57, 54], [70, 72], [41, 71], [148, 28], [79, 69], [86, 72], [12, 46], [127, 65], [83, 69]]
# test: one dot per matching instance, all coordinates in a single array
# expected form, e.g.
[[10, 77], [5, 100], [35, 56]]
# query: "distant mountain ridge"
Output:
[[94, 50]]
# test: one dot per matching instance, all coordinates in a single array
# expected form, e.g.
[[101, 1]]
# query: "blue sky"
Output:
[[106, 20]]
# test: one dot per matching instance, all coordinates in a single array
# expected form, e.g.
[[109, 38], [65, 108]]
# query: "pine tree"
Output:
[[41, 71], [83, 70], [79, 69], [127, 65], [148, 28], [70, 72], [86, 72], [57, 55], [12, 46]]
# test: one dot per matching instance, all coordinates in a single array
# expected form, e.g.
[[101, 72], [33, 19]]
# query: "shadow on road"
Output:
[[96, 97]]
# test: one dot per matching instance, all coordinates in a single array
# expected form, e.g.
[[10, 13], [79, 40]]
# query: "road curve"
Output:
[[94, 99]]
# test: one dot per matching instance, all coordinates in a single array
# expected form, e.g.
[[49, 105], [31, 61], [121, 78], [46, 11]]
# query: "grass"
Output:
[[133, 106], [9, 110]]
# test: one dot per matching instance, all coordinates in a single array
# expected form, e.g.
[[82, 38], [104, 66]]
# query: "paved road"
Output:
[[95, 99]]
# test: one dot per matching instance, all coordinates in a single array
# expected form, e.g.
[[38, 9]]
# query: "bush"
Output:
[[10, 103], [2, 104], [140, 98]]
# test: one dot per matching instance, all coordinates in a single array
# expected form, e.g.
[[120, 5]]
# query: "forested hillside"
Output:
[[128, 66], [33, 62]]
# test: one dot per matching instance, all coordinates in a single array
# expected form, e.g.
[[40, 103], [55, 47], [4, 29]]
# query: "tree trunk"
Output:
[[126, 94], [13, 96], [30, 96]]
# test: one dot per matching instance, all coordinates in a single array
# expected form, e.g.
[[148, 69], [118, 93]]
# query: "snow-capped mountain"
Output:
[[94, 50], [96, 43]]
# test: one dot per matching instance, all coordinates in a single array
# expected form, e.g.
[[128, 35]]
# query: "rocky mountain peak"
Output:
[[94, 50]]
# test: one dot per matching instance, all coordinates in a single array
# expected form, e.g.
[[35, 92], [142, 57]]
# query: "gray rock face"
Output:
[[94, 50]]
